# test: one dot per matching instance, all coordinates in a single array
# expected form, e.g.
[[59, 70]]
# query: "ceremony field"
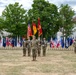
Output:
[[56, 62]]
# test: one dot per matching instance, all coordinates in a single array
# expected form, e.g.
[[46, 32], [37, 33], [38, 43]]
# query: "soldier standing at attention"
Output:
[[24, 47], [34, 48], [39, 46], [29, 46], [44, 45], [74, 44]]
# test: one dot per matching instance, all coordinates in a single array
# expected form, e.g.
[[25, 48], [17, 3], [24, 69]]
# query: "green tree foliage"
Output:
[[15, 19], [66, 16], [1, 23], [48, 14]]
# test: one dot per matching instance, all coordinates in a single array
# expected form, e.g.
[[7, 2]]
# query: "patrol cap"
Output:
[[44, 38], [33, 36]]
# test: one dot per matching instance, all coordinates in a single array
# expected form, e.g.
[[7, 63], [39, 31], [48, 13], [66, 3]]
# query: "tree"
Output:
[[15, 19], [48, 14], [66, 16], [1, 23]]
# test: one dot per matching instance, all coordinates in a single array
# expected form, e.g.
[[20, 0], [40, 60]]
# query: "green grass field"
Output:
[[56, 62]]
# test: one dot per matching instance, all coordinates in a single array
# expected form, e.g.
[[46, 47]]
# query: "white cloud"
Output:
[[27, 3], [57, 2], [1, 9], [74, 8], [71, 3]]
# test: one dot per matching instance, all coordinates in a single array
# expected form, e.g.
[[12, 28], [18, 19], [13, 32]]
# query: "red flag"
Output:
[[39, 28], [29, 31], [7, 41], [58, 44], [34, 28], [52, 43]]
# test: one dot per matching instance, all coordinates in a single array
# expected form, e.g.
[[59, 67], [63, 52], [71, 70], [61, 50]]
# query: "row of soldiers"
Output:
[[34, 46]]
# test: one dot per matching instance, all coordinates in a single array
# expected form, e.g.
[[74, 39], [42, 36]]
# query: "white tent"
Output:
[[4, 33]]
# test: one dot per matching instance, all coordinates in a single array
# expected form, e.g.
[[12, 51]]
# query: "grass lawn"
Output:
[[56, 62]]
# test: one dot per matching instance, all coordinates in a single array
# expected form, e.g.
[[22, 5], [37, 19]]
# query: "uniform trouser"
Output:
[[75, 49], [29, 51], [24, 51], [39, 50], [44, 50], [34, 54]]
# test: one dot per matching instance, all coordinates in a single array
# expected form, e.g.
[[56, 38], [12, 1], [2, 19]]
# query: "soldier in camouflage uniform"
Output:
[[34, 48], [29, 46], [44, 46], [24, 47], [39, 46], [74, 44]]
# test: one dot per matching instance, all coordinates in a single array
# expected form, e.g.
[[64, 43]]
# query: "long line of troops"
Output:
[[34, 46]]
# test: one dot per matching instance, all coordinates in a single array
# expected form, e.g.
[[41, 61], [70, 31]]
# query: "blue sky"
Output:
[[27, 3]]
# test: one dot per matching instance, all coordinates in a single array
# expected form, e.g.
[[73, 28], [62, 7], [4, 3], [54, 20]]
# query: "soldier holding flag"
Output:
[[26, 43]]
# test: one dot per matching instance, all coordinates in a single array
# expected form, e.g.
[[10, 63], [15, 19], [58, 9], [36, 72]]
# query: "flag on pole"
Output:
[[4, 42], [34, 28], [15, 41], [10, 42], [1, 41], [7, 41], [66, 43], [29, 31], [18, 42], [52, 43], [39, 28], [62, 42]]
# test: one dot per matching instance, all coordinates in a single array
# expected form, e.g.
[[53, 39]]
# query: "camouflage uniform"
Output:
[[39, 47], [34, 48], [44, 45], [29, 47], [74, 44], [24, 47]]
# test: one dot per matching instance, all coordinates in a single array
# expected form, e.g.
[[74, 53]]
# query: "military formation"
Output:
[[37, 47], [34, 47]]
